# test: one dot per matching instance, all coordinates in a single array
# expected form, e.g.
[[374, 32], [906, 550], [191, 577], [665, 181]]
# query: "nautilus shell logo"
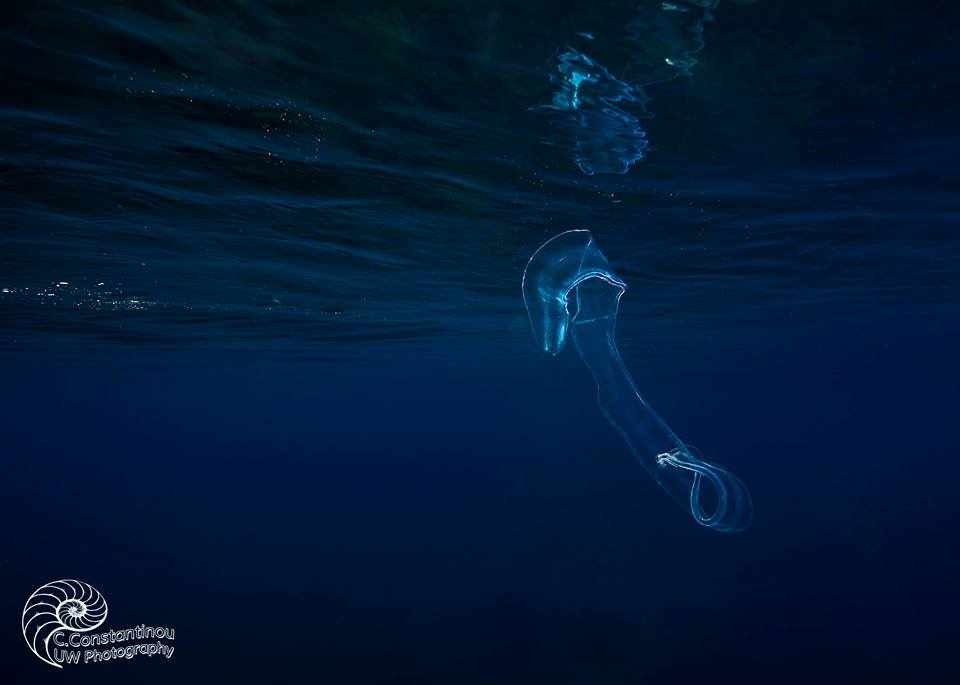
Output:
[[69, 605]]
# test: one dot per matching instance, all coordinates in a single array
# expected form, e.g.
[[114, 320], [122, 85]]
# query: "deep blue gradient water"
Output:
[[268, 377]]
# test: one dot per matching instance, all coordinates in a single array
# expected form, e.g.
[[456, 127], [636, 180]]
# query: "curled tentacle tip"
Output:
[[732, 509]]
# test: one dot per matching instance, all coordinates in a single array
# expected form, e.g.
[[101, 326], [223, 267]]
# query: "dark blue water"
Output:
[[268, 377]]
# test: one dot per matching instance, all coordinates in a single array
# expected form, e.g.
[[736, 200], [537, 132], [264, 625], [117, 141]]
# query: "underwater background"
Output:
[[268, 377]]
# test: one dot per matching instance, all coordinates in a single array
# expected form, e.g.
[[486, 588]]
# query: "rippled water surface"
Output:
[[244, 173]]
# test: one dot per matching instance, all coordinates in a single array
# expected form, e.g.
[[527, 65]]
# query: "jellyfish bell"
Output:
[[558, 267]]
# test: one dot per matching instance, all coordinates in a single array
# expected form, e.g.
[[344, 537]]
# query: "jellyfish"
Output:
[[570, 291]]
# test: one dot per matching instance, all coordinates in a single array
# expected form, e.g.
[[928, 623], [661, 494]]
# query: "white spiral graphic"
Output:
[[61, 605]]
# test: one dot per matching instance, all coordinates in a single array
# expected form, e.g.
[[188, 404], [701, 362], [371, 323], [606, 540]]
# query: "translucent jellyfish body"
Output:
[[570, 290]]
